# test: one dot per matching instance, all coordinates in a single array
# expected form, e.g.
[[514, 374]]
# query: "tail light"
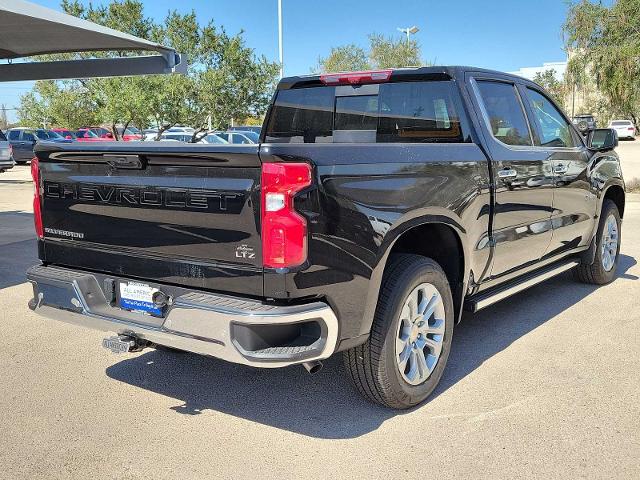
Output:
[[37, 210], [356, 78], [284, 231]]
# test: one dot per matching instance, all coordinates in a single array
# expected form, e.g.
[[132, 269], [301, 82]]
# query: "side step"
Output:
[[494, 295]]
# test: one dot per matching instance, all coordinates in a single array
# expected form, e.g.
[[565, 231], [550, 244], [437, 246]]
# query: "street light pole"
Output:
[[409, 31], [280, 38]]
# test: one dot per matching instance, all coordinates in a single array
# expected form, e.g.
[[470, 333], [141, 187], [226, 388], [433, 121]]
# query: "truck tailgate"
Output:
[[182, 214]]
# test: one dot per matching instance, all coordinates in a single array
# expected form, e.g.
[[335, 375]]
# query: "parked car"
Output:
[[88, 135], [239, 138], [149, 134], [177, 137], [624, 128], [6, 154], [246, 128], [24, 139], [380, 206], [65, 133], [180, 129], [585, 122], [100, 132], [131, 134], [213, 138], [49, 135], [251, 135]]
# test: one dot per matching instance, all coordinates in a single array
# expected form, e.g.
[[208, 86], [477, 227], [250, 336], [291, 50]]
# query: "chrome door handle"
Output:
[[507, 173]]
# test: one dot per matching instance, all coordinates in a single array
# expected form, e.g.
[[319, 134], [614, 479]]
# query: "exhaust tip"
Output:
[[313, 367]]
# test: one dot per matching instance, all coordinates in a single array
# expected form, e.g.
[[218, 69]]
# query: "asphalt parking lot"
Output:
[[545, 385], [629, 151]]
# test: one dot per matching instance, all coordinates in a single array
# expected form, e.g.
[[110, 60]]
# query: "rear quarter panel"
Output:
[[366, 196]]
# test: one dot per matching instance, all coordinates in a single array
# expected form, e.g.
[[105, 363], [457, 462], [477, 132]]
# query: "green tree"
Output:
[[383, 52], [346, 58], [551, 84], [603, 43], [387, 52], [56, 104]]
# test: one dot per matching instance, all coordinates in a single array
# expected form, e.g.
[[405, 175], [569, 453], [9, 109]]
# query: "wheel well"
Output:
[[441, 243], [616, 194]]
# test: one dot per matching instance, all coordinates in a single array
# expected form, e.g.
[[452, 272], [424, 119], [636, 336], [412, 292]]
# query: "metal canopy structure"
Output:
[[27, 29]]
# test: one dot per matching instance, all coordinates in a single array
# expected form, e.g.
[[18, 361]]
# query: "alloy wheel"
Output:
[[609, 243], [420, 334]]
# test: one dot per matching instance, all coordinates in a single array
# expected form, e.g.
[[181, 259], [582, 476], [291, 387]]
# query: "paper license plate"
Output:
[[138, 297]]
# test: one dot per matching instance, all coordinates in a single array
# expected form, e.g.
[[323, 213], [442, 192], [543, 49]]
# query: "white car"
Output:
[[176, 137], [149, 134], [624, 128], [179, 134], [181, 129]]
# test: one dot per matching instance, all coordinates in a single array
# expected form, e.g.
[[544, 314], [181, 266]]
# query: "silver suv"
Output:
[[6, 154]]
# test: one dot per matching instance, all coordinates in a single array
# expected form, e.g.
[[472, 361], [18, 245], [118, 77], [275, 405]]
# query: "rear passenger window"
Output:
[[506, 117], [412, 112], [419, 112], [14, 135]]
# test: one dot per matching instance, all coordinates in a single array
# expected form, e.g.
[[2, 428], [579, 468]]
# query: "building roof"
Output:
[[559, 69]]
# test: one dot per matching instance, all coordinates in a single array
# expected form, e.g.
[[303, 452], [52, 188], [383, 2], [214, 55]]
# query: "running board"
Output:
[[494, 295]]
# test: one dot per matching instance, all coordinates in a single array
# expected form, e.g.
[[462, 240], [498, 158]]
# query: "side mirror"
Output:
[[109, 135], [602, 139], [68, 137]]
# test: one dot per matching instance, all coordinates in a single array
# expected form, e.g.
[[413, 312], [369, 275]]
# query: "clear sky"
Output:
[[499, 34]]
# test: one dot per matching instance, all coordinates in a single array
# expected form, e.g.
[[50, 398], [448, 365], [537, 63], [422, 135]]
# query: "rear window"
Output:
[[411, 112], [620, 123]]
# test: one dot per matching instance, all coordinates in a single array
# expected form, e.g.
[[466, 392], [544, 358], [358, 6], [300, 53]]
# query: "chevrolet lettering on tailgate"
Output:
[[149, 197]]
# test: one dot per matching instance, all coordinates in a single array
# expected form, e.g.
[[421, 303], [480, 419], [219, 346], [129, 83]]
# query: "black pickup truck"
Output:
[[377, 208]]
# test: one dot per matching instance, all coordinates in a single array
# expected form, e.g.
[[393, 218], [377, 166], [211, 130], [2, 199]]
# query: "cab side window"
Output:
[[28, 137], [553, 129], [506, 117]]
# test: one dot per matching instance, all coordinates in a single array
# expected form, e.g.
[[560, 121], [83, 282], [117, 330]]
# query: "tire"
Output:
[[373, 367], [601, 272]]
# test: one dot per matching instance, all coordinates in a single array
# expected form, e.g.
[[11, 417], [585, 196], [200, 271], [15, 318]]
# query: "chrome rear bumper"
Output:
[[235, 329]]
